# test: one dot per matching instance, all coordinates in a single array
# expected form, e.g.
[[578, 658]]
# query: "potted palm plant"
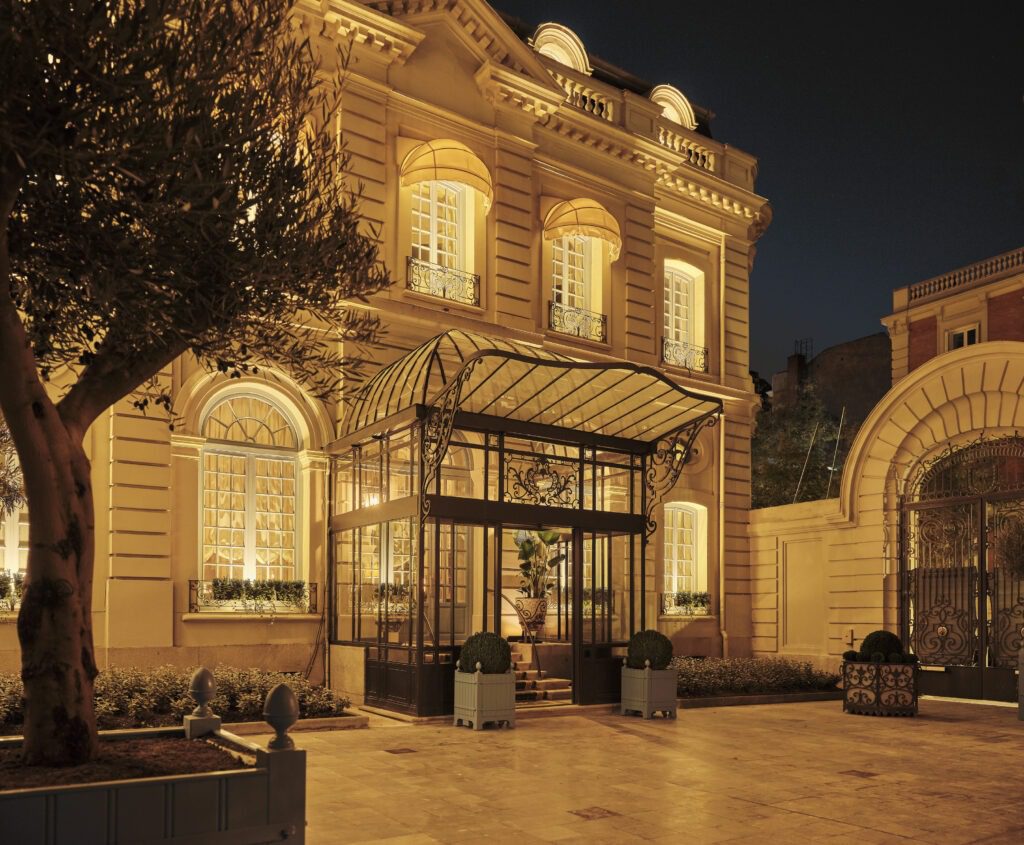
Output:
[[649, 686], [880, 679], [485, 685], [536, 577]]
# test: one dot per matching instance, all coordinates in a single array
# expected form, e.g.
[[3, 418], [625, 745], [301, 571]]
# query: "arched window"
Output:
[[683, 323], [583, 240], [249, 491], [674, 105], [563, 45], [684, 531], [446, 192]]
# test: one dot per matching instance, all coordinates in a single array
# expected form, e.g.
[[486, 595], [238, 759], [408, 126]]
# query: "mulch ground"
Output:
[[120, 759]]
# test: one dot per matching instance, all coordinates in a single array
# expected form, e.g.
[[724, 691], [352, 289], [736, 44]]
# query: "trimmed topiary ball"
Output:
[[896, 657], [884, 641], [649, 645], [877, 657], [851, 655], [489, 650], [910, 658]]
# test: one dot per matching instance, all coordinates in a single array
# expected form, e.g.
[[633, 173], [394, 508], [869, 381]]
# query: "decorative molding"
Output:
[[972, 274], [373, 31], [503, 88]]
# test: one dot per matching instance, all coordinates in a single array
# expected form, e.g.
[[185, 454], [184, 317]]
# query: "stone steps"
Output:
[[535, 684]]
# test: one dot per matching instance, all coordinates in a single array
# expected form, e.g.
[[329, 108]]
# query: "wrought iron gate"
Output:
[[962, 569]]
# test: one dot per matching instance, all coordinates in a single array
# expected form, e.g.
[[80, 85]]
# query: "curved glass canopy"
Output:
[[527, 384]]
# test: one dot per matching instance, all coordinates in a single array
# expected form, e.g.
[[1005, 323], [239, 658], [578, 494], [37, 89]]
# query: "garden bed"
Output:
[[122, 759], [144, 698], [750, 676]]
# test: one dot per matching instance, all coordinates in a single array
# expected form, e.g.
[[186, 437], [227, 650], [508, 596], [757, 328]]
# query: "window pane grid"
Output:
[[437, 223], [274, 518], [569, 271], [680, 549], [224, 515], [14, 541], [678, 305]]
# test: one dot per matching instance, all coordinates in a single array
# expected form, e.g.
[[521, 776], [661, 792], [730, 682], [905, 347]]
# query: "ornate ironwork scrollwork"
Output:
[[540, 482], [694, 358], [666, 462], [442, 282], [437, 431], [578, 322]]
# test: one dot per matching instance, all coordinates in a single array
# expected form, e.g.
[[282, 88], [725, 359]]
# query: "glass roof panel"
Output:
[[522, 382]]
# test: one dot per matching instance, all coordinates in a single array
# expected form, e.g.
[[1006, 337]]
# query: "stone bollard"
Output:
[[202, 721], [281, 711]]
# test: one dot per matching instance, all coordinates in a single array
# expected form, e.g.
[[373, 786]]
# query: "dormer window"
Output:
[[961, 337]]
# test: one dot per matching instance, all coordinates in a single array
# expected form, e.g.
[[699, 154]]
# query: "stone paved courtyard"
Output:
[[758, 774]]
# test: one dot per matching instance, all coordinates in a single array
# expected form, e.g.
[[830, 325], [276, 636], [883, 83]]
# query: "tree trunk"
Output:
[[55, 622]]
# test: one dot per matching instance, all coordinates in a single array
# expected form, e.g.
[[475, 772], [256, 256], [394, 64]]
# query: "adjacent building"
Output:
[[567, 348], [927, 537]]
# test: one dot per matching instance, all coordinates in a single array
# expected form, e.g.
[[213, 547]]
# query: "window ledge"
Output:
[[250, 617], [439, 303], [683, 618]]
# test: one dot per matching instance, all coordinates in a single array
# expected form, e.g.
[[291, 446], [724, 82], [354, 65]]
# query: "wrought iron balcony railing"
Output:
[[237, 595], [578, 322], [678, 354], [442, 282]]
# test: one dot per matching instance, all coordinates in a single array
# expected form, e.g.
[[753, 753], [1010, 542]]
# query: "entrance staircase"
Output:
[[535, 685]]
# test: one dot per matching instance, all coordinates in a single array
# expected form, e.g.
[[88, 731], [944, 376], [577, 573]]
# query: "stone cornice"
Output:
[[371, 31], [504, 88]]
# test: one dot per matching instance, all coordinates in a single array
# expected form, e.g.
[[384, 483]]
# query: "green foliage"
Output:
[[258, 591], [851, 654], [651, 646], [688, 600], [779, 448], [877, 657], [12, 493], [131, 697], [536, 562], [883, 642], [489, 650], [749, 676]]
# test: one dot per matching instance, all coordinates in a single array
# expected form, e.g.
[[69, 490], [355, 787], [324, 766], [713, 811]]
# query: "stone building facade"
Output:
[[524, 191], [926, 537]]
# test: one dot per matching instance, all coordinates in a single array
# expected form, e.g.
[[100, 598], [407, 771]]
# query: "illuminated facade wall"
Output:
[[825, 573], [521, 189]]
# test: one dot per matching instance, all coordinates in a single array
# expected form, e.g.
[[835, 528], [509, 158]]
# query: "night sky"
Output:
[[890, 137]]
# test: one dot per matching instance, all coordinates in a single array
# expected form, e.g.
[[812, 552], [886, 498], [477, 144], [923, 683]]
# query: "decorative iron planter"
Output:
[[481, 698], [533, 613], [880, 689], [649, 691]]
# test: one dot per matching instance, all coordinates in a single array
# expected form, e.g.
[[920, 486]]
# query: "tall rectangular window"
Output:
[[14, 541], [438, 223], [248, 516], [678, 305], [570, 272], [681, 526]]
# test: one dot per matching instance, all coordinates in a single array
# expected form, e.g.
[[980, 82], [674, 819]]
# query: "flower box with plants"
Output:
[[247, 595], [12, 585], [537, 565], [880, 679], [648, 684], [485, 685], [686, 603]]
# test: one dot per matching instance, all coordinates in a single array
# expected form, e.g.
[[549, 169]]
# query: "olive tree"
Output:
[[170, 182], [12, 493]]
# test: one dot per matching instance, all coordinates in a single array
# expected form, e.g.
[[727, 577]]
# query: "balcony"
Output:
[[578, 322], [442, 282], [238, 595], [678, 354]]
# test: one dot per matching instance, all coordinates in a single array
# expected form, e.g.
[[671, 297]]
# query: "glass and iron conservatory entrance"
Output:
[[452, 458]]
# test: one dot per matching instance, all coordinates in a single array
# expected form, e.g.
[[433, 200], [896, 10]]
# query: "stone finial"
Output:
[[203, 688], [281, 711]]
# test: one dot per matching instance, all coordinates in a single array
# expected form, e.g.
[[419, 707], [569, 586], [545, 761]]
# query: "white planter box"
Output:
[[649, 691], [481, 698]]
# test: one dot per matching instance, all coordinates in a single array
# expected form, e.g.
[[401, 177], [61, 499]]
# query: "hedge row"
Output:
[[130, 698], [748, 676]]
